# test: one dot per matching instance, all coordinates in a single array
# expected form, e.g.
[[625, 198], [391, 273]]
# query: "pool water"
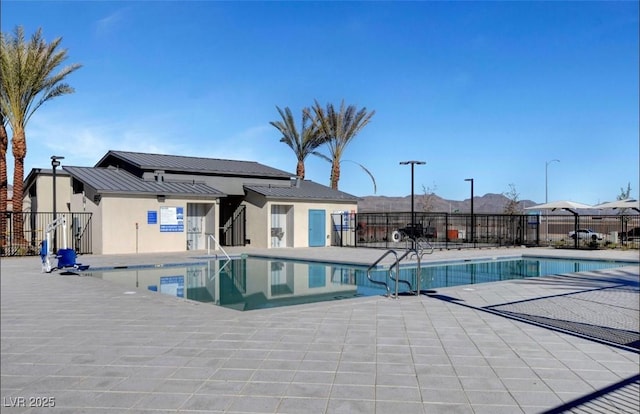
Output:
[[258, 283]]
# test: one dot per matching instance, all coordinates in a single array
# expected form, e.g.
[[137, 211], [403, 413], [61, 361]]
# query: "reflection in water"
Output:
[[256, 283]]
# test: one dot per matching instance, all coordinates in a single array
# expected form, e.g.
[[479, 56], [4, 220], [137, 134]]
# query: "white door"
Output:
[[279, 226], [195, 221]]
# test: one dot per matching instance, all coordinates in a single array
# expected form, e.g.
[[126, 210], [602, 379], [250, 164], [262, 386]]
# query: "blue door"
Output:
[[317, 228]]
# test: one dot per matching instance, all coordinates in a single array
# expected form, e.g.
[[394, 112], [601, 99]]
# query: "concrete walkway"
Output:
[[552, 344]]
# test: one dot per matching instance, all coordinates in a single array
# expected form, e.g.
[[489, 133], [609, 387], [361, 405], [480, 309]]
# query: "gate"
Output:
[[233, 233]]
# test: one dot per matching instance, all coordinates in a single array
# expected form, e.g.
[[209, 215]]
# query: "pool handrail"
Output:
[[420, 247], [397, 264], [386, 282], [211, 237]]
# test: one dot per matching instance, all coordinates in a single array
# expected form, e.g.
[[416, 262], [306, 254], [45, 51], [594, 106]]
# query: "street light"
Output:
[[473, 239], [412, 163], [546, 180], [54, 164]]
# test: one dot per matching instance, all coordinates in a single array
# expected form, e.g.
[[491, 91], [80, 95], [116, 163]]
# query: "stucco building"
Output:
[[140, 202]]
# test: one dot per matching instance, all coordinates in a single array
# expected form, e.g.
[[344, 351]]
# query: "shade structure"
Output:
[[628, 203], [570, 206], [561, 204]]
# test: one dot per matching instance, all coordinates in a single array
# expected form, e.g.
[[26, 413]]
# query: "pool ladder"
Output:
[[395, 276]]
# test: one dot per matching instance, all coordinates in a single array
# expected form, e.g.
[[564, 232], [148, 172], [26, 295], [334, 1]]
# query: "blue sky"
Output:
[[490, 91]]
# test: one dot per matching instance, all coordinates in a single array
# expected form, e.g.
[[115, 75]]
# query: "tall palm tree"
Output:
[[338, 129], [28, 82], [302, 142], [4, 182]]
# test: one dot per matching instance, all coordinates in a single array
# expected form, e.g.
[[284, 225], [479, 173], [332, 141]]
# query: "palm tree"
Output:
[[302, 143], [28, 82], [4, 182], [338, 129]]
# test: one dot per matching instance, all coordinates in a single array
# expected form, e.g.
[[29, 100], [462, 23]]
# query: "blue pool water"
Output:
[[259, 283]]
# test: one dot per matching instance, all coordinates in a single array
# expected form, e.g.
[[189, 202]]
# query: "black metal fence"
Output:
[[34, 228], [455, 231]]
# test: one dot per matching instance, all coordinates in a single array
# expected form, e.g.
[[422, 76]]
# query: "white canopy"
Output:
[[628, 203], [562, 204], [570, 206]]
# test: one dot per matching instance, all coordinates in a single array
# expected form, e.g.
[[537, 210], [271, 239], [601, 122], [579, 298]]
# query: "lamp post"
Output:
[[55, 162], [546, 180], [412, 163], [473, 238], [546, 194]]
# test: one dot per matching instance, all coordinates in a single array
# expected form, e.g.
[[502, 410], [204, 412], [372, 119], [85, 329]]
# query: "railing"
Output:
[[453, 230], [386, 282], [234, 229], [21, 233], [408, 252], [211, 237]]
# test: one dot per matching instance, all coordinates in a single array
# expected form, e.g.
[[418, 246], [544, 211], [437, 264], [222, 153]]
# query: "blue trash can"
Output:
[[66, 258]]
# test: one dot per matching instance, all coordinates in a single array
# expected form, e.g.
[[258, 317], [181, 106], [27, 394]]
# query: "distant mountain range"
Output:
[[488, 203]]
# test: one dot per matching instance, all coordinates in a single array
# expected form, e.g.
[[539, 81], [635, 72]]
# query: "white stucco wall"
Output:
[[80, 203], [114, 224], [257, 219], [301, 220], [259, 212], [43, 201]]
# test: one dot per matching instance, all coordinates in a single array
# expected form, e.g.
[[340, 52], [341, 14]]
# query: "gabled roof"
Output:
[[35, 172], [177, 163], [308, 190], [117, 181]]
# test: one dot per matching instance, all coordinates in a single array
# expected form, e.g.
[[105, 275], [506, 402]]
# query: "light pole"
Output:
[[546, 180], [55, 162], [473, 239], [546, 194], [412, 163]]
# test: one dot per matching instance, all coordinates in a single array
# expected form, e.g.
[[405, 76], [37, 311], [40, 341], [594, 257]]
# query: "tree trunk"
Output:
[[335, 174], [19, 146], [300, 170], [4, 183]]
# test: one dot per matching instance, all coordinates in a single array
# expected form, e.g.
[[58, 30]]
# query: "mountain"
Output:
[[488, 203]]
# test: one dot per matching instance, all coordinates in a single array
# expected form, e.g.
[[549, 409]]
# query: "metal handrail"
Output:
[[420, 247], [226, 263], [397, 264], [386, 282], [216, 242]]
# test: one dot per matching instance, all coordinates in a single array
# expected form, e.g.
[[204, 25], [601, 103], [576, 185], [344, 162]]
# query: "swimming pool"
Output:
[[250, 283]]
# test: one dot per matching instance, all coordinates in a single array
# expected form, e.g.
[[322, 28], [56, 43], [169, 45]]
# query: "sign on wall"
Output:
[[171, 219], [172, 285]]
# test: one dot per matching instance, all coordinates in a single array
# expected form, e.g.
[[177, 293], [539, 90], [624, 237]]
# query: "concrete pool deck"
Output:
[[523, 346]]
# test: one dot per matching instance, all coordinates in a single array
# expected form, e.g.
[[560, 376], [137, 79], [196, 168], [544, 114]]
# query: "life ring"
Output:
[[396, 236]]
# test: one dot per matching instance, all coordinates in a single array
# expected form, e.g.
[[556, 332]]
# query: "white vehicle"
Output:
[[586, 234]]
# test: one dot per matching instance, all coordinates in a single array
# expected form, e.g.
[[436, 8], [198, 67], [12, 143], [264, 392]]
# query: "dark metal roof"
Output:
[[308, 190], [177, 163], [117, 181]]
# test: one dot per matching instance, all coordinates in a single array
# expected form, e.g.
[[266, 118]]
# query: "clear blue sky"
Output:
[[490, 91]]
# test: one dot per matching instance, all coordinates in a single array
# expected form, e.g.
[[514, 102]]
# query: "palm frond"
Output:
[[373, 179]]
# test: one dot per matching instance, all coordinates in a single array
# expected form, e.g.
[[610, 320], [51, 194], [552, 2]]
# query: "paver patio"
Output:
[[522, 346]]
